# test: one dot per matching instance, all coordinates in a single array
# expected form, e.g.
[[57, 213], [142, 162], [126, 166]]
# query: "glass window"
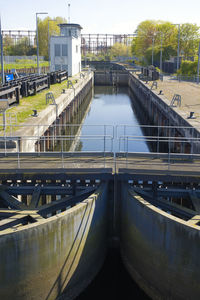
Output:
[[76, 49], [57, 67], [64, 67], [57, 50], [64, 50]]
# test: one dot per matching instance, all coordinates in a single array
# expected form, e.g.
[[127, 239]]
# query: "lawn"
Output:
[[25, 109], [25, 63]]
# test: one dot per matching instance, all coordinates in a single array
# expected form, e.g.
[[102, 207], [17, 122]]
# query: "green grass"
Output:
[[25, 109], [25, 63]]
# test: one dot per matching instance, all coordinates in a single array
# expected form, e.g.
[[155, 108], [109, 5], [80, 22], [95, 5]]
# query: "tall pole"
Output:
[[69, 13], [48, 45], [178, 47], [49, 40], [198, 64], [2, 65], [152, 51], [38, 67], [40, 13], [161, 51]]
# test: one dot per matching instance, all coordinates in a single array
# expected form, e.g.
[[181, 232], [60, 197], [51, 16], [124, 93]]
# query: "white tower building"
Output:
[[65, 50]]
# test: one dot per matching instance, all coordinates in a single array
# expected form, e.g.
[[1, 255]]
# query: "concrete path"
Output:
[[190, 97]]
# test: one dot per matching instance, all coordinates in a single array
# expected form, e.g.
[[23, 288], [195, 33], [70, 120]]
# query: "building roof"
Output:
[[70, 25]]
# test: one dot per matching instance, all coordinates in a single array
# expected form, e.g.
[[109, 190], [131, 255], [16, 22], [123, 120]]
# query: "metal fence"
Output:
[[188, 78], [119, 138], [141, 148]]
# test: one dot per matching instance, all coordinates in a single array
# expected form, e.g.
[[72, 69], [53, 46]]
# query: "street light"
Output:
[[198, 64], [177, 66], [153, 40], [161, 52], [49, 41], [40, 13], [2, 66]]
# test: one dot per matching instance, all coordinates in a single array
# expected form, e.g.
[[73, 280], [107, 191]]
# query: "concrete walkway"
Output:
[[190, 97]]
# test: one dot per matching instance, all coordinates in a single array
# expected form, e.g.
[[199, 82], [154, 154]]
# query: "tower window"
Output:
[[64, 50], [57, 50]]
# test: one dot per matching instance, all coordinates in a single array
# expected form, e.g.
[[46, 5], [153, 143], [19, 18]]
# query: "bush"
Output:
[[188, 68]]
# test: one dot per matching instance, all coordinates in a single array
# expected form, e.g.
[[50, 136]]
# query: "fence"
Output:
[[189, 78], [11, 59], [125, 138]]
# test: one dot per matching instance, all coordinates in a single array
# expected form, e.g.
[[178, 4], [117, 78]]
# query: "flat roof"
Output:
[[70, 25]]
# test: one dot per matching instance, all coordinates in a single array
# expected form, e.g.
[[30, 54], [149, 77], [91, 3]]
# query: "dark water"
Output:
[[103, 127]]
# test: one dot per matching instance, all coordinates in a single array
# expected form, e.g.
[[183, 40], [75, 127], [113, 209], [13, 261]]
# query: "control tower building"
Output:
[[65, 49]]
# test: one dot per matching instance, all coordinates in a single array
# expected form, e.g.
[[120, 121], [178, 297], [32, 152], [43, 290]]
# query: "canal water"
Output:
[[111, 107], [111, 115]]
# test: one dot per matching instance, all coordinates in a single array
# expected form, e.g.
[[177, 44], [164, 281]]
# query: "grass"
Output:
[[25, 109], [25, 63]]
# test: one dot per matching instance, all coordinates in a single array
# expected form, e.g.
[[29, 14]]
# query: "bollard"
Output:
[[35, 114]]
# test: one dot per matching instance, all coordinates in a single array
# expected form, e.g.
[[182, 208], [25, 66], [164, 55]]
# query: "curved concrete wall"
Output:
[[62, 253], [161, 252]]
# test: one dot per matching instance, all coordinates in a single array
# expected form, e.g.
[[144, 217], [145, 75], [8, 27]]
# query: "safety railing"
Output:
[[158, 138], [121, 146], [189, 78]]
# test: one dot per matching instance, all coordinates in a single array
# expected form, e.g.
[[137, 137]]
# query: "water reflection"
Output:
[[109, 108], [97, 125]]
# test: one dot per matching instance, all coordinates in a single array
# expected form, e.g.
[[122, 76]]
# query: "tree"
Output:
[[150, 33], [189, 39], [8, 43], [43, 32], [119, 49], [188, 68], [22, 47]]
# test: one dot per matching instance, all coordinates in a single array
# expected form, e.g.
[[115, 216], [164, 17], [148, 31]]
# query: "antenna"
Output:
[[69, 13]]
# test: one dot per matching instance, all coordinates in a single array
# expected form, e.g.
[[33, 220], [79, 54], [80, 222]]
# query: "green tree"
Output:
[[151, 33], [43, 32], [189, 39], [188, 68], [8, 43], [119, 49], [23, 47]]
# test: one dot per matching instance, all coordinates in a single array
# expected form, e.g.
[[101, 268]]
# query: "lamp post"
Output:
[[49, 40], [177, 65], [178, 47], [153, 39], [2, 65], [161, 52], [40, 13], [198, 64]]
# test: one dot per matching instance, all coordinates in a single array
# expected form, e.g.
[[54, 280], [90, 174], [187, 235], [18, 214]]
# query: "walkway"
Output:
[[137, 163], [190, 97]]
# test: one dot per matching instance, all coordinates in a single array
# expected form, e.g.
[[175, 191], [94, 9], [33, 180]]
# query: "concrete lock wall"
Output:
[[116, 78], [158, 108], [36, 127], [63, 252], [160, 251]]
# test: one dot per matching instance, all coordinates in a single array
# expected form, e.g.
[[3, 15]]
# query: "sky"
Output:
[[104, 16]]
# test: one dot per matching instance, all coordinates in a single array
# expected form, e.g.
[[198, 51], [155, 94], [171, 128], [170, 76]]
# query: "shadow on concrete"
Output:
[[87, 252], [113, 282]]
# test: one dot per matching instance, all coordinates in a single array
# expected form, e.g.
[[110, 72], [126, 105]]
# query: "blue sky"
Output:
[[104, 16]]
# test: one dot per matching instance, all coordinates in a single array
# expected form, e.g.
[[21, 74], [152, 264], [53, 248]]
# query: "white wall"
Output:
[[73, 60]]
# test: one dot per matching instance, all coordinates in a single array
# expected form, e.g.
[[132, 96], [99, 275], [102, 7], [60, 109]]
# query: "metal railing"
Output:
[[114, 146], [189, 78]]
